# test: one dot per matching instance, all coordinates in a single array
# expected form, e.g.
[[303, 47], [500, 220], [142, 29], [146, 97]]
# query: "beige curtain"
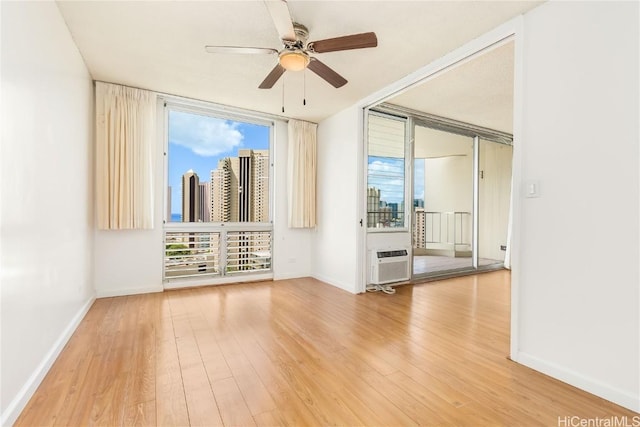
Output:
[[302, 174], [125, 138]]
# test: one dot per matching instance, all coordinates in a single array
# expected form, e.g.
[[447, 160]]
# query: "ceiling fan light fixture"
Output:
[[294, 60]]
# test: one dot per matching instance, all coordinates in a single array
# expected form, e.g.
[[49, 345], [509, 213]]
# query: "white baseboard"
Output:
[[11, 414], [593, 386], [129, 291], [349, 287], [213, 281], [290, 276]]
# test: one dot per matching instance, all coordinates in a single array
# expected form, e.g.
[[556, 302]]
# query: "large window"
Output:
[[218, 206], [385, 171], [218, 169]]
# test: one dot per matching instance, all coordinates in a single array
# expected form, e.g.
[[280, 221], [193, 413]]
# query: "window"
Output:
[[218, 170], [385, 171]]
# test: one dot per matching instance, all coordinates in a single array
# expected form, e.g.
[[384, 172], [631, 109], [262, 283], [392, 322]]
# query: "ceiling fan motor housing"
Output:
[[302, 33]]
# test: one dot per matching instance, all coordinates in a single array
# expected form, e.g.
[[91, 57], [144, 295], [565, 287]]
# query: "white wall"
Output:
[[577, 265], [448, 184], [335, 252], [495, 195], [291, 246], [577, 282], [448, 170], [130, 261], [46, 224]]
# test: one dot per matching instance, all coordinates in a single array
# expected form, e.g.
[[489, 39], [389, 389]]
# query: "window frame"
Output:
[[206, 109], [167, 103], [407, 187]]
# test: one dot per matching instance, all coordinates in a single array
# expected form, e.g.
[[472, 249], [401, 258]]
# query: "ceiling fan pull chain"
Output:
[[283, 95], [304, 87]]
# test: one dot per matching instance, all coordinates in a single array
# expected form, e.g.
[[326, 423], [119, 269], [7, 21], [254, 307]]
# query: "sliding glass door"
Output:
[[438, 196], [442, 201], [461, 193]]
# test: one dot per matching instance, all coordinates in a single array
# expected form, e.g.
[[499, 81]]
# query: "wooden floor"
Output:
[[300, 352]]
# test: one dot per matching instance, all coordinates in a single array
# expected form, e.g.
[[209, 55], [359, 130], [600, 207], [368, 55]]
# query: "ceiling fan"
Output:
[[296, 54]]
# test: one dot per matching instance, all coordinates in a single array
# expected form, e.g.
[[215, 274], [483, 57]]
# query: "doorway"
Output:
[[442, 201], [459, 126], [461, 195]]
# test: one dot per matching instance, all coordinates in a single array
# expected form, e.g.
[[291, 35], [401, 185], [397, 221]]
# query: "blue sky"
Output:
[[197, 142], [418, 181], [387, 174]]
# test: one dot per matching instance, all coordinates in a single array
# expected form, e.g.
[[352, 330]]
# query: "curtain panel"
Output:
[[301, 167], [125, 139]]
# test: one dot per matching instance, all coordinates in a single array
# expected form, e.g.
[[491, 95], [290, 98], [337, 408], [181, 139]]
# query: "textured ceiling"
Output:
[[159, 45], [479, 91]]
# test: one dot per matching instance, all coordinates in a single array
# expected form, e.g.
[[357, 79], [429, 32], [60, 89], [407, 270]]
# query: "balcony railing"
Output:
[[214, 250], [248, 251], [444, 228], [191, 254]]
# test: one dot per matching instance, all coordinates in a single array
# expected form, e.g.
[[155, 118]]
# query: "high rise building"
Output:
[[240, 193], [373, 206], [379, 212], [259, 209], [221, 192], [419, 229], [394, 210], [190, 197], [205, 201], [244, 186], [240, 188]]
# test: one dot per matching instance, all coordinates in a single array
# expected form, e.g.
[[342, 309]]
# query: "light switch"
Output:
[[532, 188]]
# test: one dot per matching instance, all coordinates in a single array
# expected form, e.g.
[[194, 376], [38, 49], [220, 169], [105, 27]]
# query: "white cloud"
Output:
[[205, 136], [387, 176], [393, 167]]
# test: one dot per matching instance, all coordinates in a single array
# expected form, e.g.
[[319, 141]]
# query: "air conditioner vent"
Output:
[[390, 254], [389, 266]]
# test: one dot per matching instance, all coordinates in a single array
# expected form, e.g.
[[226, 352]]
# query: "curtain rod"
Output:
[[220, 106]]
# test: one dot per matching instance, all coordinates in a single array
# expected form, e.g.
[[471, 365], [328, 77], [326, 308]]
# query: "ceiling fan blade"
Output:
[[272, 78], [333, 78], [354, 41], [240, 49], [279, 11]]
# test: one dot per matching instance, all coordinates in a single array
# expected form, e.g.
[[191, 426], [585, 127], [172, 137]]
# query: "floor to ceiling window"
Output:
[[218, 194]]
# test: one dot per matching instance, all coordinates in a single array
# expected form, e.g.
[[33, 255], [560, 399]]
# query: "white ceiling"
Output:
[[159, 45], [480, 91]]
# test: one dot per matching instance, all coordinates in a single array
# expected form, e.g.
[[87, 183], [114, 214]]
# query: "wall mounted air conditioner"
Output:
[[389, 266]]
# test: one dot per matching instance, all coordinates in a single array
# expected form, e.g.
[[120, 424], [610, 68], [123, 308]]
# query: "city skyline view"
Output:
[[387, 175], [198, 142]]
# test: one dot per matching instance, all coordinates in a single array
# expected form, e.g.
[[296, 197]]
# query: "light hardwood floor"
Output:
[[300, 352]]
